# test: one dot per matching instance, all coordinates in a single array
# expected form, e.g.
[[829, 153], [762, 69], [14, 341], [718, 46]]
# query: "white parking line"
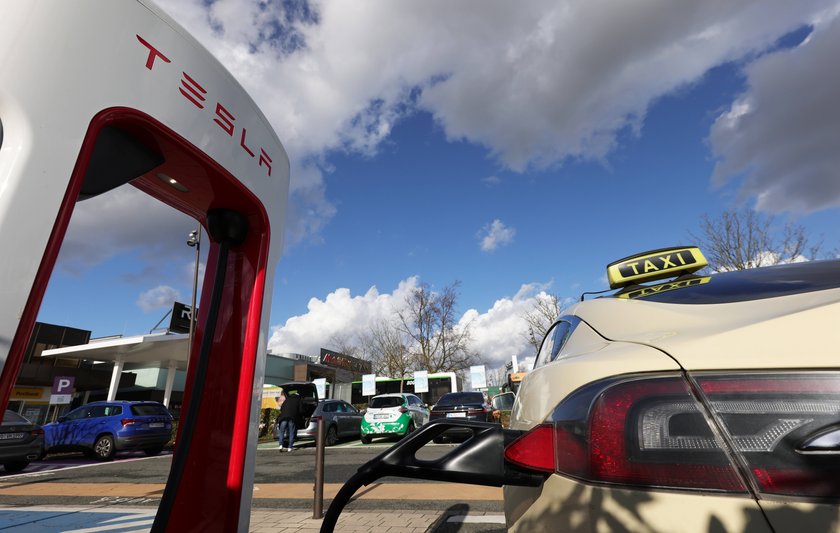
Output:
[[477, 519], [60, 468]]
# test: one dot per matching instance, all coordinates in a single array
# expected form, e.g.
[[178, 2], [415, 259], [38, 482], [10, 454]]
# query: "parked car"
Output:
[[21, 442], [340, 419], [101, 429], [393, 415], [308, 393], [464, 406]]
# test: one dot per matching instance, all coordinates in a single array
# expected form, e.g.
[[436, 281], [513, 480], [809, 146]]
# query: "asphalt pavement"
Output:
[[67, 494]]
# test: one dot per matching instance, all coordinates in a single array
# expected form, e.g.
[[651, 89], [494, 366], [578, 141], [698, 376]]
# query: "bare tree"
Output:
[[386, 347], [545, 312], [346, 344], [497, 376], [439, 343], [737, 240]]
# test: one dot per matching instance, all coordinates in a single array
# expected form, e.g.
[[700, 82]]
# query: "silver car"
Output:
[[341, 420]]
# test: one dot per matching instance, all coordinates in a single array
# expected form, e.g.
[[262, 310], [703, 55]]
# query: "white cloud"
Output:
[[121, 220], [497, 333], [339, 313], [780, 137], [495, 234], [535, 82], [160, 297]]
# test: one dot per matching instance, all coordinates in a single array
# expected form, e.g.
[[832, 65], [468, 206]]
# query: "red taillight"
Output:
[[36, 432], [128, 421], [786, 426], [403, 409], [315, 418], [533, 450], [660, 431], [627, 425]]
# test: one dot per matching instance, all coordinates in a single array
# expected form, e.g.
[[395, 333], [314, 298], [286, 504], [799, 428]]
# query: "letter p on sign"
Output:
[[63, 385]]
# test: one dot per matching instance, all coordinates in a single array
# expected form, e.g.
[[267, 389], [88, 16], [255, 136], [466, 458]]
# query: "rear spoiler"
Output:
[[479, 460]]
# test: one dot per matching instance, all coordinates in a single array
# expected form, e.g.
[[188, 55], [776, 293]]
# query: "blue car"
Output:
[[101, 429]]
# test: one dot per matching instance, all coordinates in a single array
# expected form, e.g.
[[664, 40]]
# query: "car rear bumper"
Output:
[[28, 451], [375, 429], [561, 500], [139, 442]]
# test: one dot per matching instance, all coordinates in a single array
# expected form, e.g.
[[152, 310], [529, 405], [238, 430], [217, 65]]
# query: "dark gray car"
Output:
[[341, 420], [21, 441]]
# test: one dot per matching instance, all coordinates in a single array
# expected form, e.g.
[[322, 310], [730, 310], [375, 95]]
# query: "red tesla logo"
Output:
[[197, 95]]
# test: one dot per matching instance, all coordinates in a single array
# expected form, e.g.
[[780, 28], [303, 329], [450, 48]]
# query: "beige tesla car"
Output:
[[701, 404], [697, 404]]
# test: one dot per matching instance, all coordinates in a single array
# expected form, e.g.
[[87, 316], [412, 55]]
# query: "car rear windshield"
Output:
[[13, 418], [149, 409], [305, 390], [756, 284], [461, 398], [387, 401]]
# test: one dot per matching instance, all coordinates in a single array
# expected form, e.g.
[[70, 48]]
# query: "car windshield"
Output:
[[149, 409], [386, 401], [461, 398]]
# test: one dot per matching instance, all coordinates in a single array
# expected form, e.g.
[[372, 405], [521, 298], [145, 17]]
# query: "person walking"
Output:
[[290, 415]]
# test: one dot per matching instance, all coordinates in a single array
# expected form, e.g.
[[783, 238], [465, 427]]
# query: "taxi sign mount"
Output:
[[655, 265]]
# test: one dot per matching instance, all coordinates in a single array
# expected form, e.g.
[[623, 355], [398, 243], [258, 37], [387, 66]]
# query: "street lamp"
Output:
[[194, 241]]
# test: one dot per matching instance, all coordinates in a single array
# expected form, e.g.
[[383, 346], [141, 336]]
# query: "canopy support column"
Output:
[[115, 378], [170, 380]]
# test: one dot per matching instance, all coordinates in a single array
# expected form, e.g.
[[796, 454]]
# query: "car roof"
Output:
[[793, 329], [391, 395], [744, 285]]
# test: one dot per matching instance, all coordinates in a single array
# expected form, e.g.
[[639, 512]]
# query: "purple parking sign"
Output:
[[63, 384]]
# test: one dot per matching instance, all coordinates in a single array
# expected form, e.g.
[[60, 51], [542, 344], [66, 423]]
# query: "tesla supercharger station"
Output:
[[100, 94]]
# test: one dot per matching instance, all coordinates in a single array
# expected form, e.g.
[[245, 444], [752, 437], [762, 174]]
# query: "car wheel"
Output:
[[151, 452], [15, 466], [103, 448], [332, 436], [365, 439]]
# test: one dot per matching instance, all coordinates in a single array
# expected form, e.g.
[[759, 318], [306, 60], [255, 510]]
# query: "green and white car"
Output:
[[393, 415]]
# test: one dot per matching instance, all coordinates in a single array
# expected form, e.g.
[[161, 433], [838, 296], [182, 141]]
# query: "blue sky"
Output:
[[516, 149]]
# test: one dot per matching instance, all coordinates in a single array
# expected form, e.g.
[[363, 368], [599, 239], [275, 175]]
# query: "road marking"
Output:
[[477, 519], [60, 467]]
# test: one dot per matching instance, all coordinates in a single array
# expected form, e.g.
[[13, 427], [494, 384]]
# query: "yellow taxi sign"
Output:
[[654, 265]]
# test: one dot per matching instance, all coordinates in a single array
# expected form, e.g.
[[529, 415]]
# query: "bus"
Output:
[[439, 384]]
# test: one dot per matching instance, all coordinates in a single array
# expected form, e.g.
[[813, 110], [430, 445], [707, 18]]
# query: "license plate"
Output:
[[381, 417], [156, 424], [11, 436], [456, 415]]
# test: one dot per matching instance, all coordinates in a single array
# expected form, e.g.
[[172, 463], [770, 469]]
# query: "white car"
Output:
[[701, 404], [390, 415]]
